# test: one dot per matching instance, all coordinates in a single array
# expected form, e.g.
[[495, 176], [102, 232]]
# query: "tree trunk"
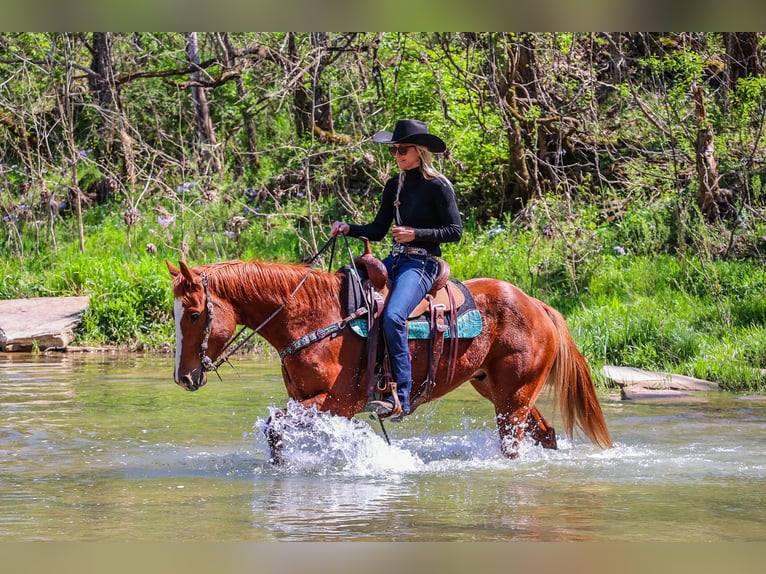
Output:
[[102, 82], [519, 84], [201, 107], [715, 203], [230, 60], [311, 99], [114, 124], [320, 42], [742, 56], [65, 100], [302, 100]]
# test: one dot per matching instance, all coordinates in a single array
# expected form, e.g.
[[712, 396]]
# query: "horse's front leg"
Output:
[[275, 424], [273, 432], [315, 401], [512, 430]]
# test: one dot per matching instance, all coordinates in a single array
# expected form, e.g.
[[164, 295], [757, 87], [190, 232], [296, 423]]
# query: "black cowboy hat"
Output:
[[414, 132]]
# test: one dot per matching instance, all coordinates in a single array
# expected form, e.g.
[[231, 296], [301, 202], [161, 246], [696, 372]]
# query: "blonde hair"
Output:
[[426, 163]]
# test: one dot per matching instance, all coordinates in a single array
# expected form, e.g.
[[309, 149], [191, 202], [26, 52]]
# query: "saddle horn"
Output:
[[376, 271]]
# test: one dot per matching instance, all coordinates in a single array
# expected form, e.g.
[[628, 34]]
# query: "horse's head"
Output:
[[204, 324]]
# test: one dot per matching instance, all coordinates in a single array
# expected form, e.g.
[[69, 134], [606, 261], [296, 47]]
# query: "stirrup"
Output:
[[388, 409]]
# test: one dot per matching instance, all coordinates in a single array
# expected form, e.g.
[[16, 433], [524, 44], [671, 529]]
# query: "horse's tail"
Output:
[[573, 387]]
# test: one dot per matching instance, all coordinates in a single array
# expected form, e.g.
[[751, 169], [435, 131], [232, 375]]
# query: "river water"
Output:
[[105, 447]]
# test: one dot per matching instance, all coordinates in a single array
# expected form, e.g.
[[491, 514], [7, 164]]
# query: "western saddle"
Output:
[[440, 304]]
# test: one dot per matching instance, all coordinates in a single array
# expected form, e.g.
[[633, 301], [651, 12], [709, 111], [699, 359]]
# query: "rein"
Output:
[[209, 365]]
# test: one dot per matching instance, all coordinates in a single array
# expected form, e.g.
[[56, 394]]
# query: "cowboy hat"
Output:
[[414, 132]]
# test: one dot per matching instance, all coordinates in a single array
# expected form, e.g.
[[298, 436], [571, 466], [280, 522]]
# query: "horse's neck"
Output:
[[278, 313]]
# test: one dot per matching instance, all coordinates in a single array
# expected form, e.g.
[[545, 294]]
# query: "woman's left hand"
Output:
[[403, 234]]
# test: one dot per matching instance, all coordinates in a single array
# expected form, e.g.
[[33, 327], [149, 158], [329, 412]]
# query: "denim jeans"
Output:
[[412, 276]]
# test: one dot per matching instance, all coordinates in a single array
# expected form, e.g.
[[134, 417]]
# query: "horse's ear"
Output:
[[187, 272], [174, 271]]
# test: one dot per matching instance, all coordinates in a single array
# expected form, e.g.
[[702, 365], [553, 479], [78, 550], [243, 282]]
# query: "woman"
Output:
[[420, 203]]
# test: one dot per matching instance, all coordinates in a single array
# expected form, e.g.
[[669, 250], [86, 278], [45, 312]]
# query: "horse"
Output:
[[523, 344]]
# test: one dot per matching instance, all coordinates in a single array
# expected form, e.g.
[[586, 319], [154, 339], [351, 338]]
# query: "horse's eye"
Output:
[[194, 316]]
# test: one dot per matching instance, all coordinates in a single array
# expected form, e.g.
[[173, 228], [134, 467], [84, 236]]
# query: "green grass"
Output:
[[693, 315]]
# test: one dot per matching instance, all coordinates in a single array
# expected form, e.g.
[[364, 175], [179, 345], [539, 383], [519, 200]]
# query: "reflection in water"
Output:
[[108, 448]]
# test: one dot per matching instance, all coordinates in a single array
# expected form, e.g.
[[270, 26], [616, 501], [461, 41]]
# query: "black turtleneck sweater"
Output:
[[427, 205]]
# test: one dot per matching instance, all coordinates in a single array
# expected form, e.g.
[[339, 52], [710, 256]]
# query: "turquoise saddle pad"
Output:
[[468, 326]]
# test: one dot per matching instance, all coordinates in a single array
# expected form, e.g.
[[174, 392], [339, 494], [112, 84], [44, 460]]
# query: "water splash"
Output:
[[320, 443]]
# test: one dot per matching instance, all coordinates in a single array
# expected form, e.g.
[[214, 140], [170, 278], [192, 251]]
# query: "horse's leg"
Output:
[[515, 422], [511, 422], [274, 438], [273, 429], [315, 401], [541, 430]]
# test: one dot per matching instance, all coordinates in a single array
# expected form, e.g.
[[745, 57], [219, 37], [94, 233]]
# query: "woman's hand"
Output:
[[339, 228], [403, 234]]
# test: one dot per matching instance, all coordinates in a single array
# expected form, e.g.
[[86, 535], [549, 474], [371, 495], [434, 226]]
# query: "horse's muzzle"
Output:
[[192, 383]]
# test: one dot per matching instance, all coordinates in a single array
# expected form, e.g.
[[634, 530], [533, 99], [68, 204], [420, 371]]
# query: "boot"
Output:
[[394, 405]]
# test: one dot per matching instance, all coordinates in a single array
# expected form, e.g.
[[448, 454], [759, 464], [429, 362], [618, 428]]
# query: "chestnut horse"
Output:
[[523, 344]]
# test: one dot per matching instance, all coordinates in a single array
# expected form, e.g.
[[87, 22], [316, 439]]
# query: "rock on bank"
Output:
[[40, 322]]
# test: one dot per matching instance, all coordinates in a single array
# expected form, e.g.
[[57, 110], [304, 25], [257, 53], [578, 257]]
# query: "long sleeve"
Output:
[[427, 205], [450, 225]]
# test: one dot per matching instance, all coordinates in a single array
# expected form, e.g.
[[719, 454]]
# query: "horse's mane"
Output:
[[236, 279]]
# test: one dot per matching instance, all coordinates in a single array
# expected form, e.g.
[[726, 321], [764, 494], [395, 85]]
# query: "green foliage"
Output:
[[128, 306], [641, 332], [603, 224], [748, 100], [635, 306]]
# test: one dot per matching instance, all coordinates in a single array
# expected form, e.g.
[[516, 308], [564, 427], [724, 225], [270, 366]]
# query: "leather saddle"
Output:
[[440, 305], [438, 295]]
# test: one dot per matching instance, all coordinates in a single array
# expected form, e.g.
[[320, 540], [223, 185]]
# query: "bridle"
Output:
[[207, 364]]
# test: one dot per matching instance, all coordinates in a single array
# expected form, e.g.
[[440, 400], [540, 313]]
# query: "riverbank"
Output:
[[48, 324]]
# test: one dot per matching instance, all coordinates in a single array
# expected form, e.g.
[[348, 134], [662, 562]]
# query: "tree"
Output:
[[114, 129], [743, 56], [209, 146]]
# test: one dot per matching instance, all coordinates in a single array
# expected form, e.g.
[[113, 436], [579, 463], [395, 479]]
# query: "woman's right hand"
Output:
[[339, 228]]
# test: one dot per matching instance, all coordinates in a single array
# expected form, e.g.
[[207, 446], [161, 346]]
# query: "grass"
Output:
[[702, 317], [680, 314]]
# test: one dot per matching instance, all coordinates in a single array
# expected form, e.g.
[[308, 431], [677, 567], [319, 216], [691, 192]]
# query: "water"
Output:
[[106, 447]]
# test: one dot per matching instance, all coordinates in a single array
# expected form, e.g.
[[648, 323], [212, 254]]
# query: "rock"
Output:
[[657, 387], [633, 377], [39, 322], [752, 398], [666, 396]]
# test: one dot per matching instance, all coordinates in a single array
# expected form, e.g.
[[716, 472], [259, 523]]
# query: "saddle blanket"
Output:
[[468, 326], [469, 322]]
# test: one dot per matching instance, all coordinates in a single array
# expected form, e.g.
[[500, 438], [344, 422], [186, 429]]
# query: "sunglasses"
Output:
[[400, 150]]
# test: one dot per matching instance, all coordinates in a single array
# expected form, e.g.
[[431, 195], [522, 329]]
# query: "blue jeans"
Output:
[[412, 276]]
